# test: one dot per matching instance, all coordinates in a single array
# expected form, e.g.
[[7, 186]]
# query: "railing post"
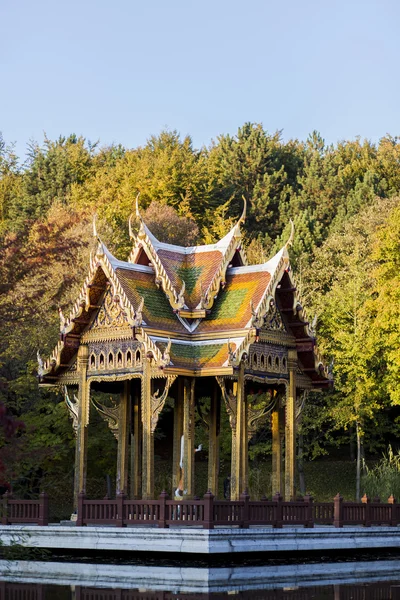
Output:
[[43, 509], [81, 501], [393, 519], [163, 509], [208, 510], [338, 511], [308, 501], [278, 510], [367, 518], [4, 519], [120, 509], [244, 497]]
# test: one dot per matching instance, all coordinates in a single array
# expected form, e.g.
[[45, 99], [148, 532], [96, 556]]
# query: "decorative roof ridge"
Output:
[[275, 266], [310, 329], [122, 264], [221, 245], [281, 263], [144, 240], [150, 244], [235, 237], [268, 266], [134, 317]]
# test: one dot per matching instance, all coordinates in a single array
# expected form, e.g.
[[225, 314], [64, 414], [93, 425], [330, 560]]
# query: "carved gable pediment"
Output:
[[272, 320], [110, 315]]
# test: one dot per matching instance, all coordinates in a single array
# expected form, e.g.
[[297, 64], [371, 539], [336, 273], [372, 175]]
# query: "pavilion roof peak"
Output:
[[221, 245], [191, 276]]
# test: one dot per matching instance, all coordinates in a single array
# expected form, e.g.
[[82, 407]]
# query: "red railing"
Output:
[[14, 511], [208, 512], [323, 513]]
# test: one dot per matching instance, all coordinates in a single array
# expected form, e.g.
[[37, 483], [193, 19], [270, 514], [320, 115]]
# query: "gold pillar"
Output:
[[244, 474], [83, 421], [213, 440], [276, 426], [178, 431], [136, 443], [122, 451], [148, 437], [290, 429], [188, 433], [239, 465]]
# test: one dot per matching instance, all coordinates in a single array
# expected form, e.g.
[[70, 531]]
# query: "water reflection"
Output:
[[371, 591]]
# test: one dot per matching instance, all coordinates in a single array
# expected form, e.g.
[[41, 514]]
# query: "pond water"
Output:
[[388, 590], [375, 577]]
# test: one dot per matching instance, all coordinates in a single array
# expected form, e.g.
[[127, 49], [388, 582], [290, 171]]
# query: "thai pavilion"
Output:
[[175, 319]]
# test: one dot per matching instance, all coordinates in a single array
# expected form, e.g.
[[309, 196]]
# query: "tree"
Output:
[[344, 268], [260, 167], [166, 224], [52, 169], [385, 305], [8, 426]]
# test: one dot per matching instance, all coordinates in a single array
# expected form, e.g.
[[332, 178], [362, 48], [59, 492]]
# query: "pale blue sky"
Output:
[[121, 70]]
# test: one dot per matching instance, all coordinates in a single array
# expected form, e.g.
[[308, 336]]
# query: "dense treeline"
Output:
[[342, 198]]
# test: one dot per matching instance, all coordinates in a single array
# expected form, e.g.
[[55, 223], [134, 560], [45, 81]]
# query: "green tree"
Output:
[[344, 275]]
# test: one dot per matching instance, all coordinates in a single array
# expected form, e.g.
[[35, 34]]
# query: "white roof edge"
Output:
[[121, 264], [235, 340], [270, 266], [221, 245]]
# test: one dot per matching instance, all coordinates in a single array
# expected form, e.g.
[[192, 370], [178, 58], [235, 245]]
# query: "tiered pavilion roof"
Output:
[[196, 310]]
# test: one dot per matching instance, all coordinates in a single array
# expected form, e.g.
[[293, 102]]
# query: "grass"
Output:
[[324, 479]]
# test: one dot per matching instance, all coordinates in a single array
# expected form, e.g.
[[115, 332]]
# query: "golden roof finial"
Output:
[[243, 216], [138, 216], [291, 237], [131, 234], [94, 226]]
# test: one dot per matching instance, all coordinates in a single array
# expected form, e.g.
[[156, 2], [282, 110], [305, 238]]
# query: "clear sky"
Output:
[[122, 70]]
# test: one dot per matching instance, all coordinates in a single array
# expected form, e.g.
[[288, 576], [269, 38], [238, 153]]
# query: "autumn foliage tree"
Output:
[[342, 199]]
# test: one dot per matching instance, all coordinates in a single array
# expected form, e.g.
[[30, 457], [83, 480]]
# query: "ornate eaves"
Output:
[[103, 260], [278, 266]]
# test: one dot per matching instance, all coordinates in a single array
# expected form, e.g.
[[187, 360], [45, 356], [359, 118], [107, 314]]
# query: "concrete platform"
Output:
[[197, 580], [201, 541]]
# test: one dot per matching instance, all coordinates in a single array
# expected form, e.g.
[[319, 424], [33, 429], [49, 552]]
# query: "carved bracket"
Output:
[[257, 412], [157, 401], [72, 408], [230, 402], [111, 414], [300, 403]]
